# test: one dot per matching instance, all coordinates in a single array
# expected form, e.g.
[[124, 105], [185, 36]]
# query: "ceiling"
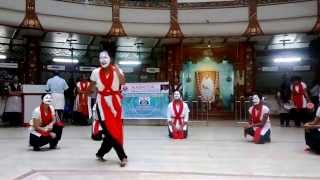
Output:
[[86, 47]]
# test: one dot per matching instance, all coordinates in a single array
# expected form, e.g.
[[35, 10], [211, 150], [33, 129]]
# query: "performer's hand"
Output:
[[307, 126], [53, 135]]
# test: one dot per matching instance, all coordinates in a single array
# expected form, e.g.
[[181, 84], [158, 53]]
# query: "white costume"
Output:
[[36, 114], [77, 103], [267, 125], [177, 116]]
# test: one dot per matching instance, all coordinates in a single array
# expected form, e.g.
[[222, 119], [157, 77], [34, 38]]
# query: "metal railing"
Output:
[[241, 110]]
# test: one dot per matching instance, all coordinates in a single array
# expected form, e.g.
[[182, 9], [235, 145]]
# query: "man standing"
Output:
[[259, 126], [107, 79], [178, 116], [83, 100], [56, 86]]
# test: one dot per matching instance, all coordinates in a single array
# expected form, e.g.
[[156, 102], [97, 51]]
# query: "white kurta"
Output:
[[36, 114], [184, 114], [267, 125], [115, 87]]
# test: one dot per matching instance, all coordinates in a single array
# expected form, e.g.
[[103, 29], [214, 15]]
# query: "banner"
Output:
[[152, 87], [145, 105], [145, 100]]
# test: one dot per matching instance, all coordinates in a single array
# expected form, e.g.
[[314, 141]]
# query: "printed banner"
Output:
[[153, 87], [145, 105]]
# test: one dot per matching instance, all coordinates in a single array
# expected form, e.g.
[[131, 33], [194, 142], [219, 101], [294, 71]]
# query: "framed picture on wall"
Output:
[[207, 85]]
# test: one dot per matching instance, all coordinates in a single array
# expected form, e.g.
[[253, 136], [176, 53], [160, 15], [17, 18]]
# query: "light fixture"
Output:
[[129, 62], [286, 59], [3, 56], [65, 60]]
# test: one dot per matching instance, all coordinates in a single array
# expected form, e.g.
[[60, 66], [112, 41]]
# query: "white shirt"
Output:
[[96, 78], [267, 125], [185, 112], [304, 86], [57, 85], [36, 114]]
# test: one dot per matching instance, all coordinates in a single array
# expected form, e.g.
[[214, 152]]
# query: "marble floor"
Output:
[[216, 151]]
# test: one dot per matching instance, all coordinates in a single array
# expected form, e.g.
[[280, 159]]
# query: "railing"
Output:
[[165, 4], [241, 110]]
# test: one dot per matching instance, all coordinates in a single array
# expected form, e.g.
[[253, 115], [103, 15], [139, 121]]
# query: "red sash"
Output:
[[255, 118], [297, 96], [83, 99], [112, 122], [46, 119], [177, 133]]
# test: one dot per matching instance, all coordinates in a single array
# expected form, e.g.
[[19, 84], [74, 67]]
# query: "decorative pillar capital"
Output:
[[316, 27], [174, 31], [31, 25], [117, 29], [253, 28]]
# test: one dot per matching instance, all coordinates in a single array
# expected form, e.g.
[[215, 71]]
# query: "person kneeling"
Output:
[[44, 127], [259, 125], [312, 133], [178, 115]]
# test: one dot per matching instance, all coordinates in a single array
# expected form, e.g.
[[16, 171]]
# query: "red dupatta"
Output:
[[83, 99], [177, 134], [297, 95], [113, 123]]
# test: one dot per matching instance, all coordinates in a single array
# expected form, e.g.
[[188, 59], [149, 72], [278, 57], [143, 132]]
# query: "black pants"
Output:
[[80, 119], [313, 140], [301, 116], [108, 143], [285, 119], [13, 118], [37, 142]]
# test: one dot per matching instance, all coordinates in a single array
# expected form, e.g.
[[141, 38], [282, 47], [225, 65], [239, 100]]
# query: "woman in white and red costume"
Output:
[[178, 116], [300, 99], [83, 100], [107, 79], [44, 127], [259, 126]]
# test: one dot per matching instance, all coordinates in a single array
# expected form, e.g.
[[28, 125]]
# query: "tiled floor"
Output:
[[217, 151]]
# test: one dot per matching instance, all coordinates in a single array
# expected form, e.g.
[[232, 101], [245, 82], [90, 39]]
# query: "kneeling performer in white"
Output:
[[178, 116]]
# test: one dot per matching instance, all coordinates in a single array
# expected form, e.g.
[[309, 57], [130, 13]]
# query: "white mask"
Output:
[[104, 59], [176, 95], [47, 99], [255, 99]]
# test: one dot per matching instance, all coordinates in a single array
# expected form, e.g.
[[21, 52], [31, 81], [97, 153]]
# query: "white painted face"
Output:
[[104, 59], [176, 95], [47, 99], [255, 99]]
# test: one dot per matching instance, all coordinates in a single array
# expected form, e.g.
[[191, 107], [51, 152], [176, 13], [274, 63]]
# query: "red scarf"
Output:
[[83, 98], [255, 119], [113, 123], [46, 118], [297, 95], [256, 113], [177, 134]]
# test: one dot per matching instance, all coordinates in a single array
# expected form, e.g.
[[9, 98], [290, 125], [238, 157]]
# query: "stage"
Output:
[[213, 151]]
